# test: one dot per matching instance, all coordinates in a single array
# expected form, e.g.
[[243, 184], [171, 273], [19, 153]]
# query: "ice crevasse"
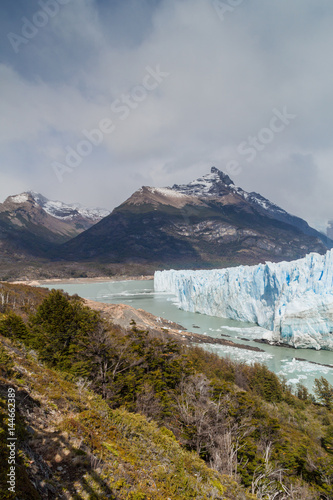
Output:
[[293, 300]]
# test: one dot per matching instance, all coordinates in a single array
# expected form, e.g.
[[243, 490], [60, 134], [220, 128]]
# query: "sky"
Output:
[[101, 97]]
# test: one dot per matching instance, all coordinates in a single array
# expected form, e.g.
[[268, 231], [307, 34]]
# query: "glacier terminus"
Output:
[[292, 300]]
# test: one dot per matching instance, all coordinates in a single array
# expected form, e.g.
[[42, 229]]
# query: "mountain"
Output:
[[214, 184], [208, 222], [32, 224]]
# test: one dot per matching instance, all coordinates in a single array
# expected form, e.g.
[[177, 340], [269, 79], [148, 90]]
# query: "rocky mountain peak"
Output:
[[221, 176], [216, 183]]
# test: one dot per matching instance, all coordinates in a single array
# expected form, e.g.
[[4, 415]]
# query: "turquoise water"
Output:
[[281, 360]]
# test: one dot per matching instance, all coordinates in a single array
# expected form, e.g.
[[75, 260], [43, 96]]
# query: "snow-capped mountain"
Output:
[[30, 223], [206, 222], [217, 184], [67, 212], [293, 300]]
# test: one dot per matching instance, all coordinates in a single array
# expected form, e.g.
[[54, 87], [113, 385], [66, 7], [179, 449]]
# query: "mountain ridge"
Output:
[[65, 211], [207, 222]]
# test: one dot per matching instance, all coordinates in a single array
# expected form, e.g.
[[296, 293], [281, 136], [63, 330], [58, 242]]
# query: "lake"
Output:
[[281, 360]]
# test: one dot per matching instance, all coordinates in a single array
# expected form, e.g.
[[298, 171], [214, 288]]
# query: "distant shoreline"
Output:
[[69, 281]]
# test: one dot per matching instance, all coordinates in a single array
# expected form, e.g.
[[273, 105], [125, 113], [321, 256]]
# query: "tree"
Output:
[[103, 355], [147, 403], [196, 410], [13, 326], [324, 392], [57, 327], [267, 479], [302, 392]]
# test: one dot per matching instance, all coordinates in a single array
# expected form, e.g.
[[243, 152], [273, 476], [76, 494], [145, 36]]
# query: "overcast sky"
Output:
[[155, 92]]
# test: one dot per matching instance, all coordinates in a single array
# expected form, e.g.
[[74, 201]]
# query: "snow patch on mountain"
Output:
[[19, 198], [168, 192], [293, 300]]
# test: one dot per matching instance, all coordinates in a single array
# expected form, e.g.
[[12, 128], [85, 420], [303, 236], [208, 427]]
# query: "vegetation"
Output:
[[40, 269], [148, 418]]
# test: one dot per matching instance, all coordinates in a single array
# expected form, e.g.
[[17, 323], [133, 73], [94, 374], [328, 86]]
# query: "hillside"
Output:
[[104, 412], [72, 445], [207, 223]]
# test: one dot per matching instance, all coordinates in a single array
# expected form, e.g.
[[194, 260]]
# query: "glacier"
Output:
[[292, 300]]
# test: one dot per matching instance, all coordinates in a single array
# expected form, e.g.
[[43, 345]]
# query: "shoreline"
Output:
[[69, 281], [124, 315], [288, 346]]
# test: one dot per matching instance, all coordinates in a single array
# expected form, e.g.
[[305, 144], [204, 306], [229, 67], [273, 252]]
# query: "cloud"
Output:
[[225, 79]]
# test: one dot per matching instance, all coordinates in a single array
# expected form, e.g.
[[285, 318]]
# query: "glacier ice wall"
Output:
[[294, 300]]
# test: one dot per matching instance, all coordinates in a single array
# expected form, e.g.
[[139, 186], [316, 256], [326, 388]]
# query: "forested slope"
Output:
[[109, 413]]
